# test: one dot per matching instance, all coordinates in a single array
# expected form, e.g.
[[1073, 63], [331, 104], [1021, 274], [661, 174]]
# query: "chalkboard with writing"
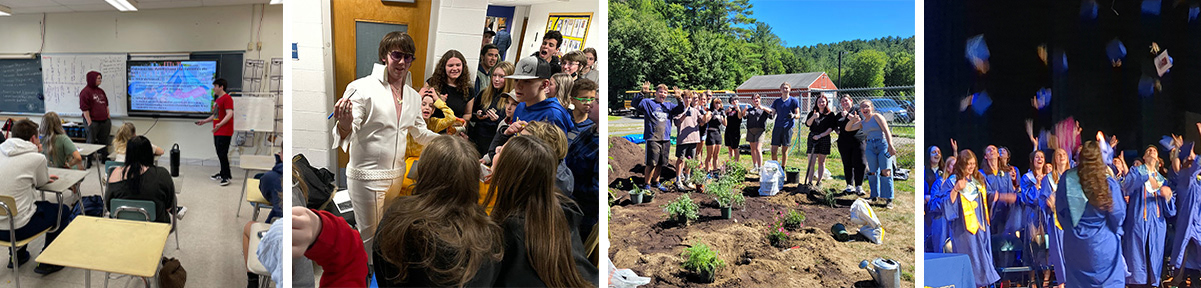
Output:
[[21, 86]]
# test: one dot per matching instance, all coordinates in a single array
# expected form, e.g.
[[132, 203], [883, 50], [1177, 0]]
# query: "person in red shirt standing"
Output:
[[223, 129], [94, 104]]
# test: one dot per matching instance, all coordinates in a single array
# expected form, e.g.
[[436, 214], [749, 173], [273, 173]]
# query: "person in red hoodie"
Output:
[[330, 242], [94, 104], [223, 129]]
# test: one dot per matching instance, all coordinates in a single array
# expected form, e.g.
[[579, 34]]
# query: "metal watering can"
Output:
[[885, 271]]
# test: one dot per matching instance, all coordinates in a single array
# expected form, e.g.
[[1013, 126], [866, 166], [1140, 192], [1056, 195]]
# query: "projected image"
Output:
[[171, 86]]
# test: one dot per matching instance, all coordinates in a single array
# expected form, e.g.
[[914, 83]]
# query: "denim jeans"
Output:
[[878, 159]]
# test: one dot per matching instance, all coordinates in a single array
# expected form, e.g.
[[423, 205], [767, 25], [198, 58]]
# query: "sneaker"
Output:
[[224, 182], [46, 269], [850, 189], [661, 187], [690, 186], [888, 205], [216, 177], [860, 190], [680, 185], [179, 211], [22, 257]]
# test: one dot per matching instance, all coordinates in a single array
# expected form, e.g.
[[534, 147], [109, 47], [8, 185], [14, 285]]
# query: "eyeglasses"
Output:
[[584, 100], [401, 56]]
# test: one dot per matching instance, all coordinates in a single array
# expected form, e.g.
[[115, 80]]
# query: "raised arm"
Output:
[[349, 113]]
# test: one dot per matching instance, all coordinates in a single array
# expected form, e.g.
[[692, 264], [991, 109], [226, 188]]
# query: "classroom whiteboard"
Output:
[[254, 113], [64, 75]]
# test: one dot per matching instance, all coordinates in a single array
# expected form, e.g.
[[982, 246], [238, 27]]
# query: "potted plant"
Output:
[[792, 175], [724, 193], [681, 210], [794, 220], [648, 195], [702, 260], [636, 194]]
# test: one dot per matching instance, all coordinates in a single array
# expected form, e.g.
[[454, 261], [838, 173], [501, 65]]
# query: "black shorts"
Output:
[[657, 152], [733, 138], [686, 151], [754, 135], [819, 146], [712, 137]]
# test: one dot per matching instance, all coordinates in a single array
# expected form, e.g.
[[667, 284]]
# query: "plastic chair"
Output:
[[252, 260], [109, 166], [255, 197], [9, 204], [146, 208], [133, 208]]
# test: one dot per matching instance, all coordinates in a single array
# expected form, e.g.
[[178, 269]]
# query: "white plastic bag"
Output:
[[771, 178], [625, 278], [862, 215]]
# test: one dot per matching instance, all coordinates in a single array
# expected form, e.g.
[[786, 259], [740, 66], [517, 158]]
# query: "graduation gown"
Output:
[[936, 223], [978, 245], [1188, 223], [1145, 226], [1033, 198], [1055, 237], [1092, 237]]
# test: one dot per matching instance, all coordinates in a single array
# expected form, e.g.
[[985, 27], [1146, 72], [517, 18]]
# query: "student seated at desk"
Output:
[[24, 169], [124, 134], [58, 149], [139, 179]]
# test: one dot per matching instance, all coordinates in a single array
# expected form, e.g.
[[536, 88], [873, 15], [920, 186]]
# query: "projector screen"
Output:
[[171, 88]]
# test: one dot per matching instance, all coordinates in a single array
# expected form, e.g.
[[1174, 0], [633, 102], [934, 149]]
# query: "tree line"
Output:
[[716, 44]]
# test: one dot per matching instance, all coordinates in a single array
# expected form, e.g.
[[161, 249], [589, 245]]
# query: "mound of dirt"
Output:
[[623, 157], [644, 240]]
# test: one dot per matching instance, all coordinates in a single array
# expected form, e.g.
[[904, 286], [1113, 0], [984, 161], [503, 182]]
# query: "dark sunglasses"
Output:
[[401, 56]]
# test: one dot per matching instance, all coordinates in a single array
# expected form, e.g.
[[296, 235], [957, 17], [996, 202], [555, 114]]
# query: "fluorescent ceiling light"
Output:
[[18, 56], [277, 2], [5, 11], [159, 56], [123, 5]]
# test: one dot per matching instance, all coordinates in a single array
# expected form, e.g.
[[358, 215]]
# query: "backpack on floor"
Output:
[[319, 180], [172, 274]]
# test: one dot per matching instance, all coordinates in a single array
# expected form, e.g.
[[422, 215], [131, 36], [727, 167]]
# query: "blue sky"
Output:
[[808, 22]]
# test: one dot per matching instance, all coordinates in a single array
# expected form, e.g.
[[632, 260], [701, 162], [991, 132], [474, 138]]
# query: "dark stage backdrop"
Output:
[[1101, 97]]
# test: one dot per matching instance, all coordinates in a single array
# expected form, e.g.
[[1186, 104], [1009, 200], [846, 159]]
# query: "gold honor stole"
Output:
[[970, 220]]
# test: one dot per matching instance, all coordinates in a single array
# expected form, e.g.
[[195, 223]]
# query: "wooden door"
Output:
[[346, 15]]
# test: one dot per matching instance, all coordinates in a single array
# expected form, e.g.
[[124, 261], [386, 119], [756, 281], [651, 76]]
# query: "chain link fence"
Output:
[[895, 103]]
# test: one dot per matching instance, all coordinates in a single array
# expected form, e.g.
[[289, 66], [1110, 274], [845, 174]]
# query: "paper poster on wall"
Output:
[[573, 26]]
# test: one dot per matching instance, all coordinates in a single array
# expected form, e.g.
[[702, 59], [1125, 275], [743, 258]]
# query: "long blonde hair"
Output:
[[562, 88], [124, 134], [52, 126], [488, 95]]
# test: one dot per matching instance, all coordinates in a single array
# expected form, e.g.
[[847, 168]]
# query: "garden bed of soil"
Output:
[[643, 239]]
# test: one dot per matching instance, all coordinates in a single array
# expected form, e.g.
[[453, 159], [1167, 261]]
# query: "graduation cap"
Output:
[[1043, 98], [1151, 7], [1185, 149], [980, 102], [1116, 52], [1107, 152], [1059, 62], [1166, 142], [1193, 13], [1088, 10], [977, 53], [1146, 86]]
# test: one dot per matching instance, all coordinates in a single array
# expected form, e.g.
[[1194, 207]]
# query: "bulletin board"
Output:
[[573, 26]]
